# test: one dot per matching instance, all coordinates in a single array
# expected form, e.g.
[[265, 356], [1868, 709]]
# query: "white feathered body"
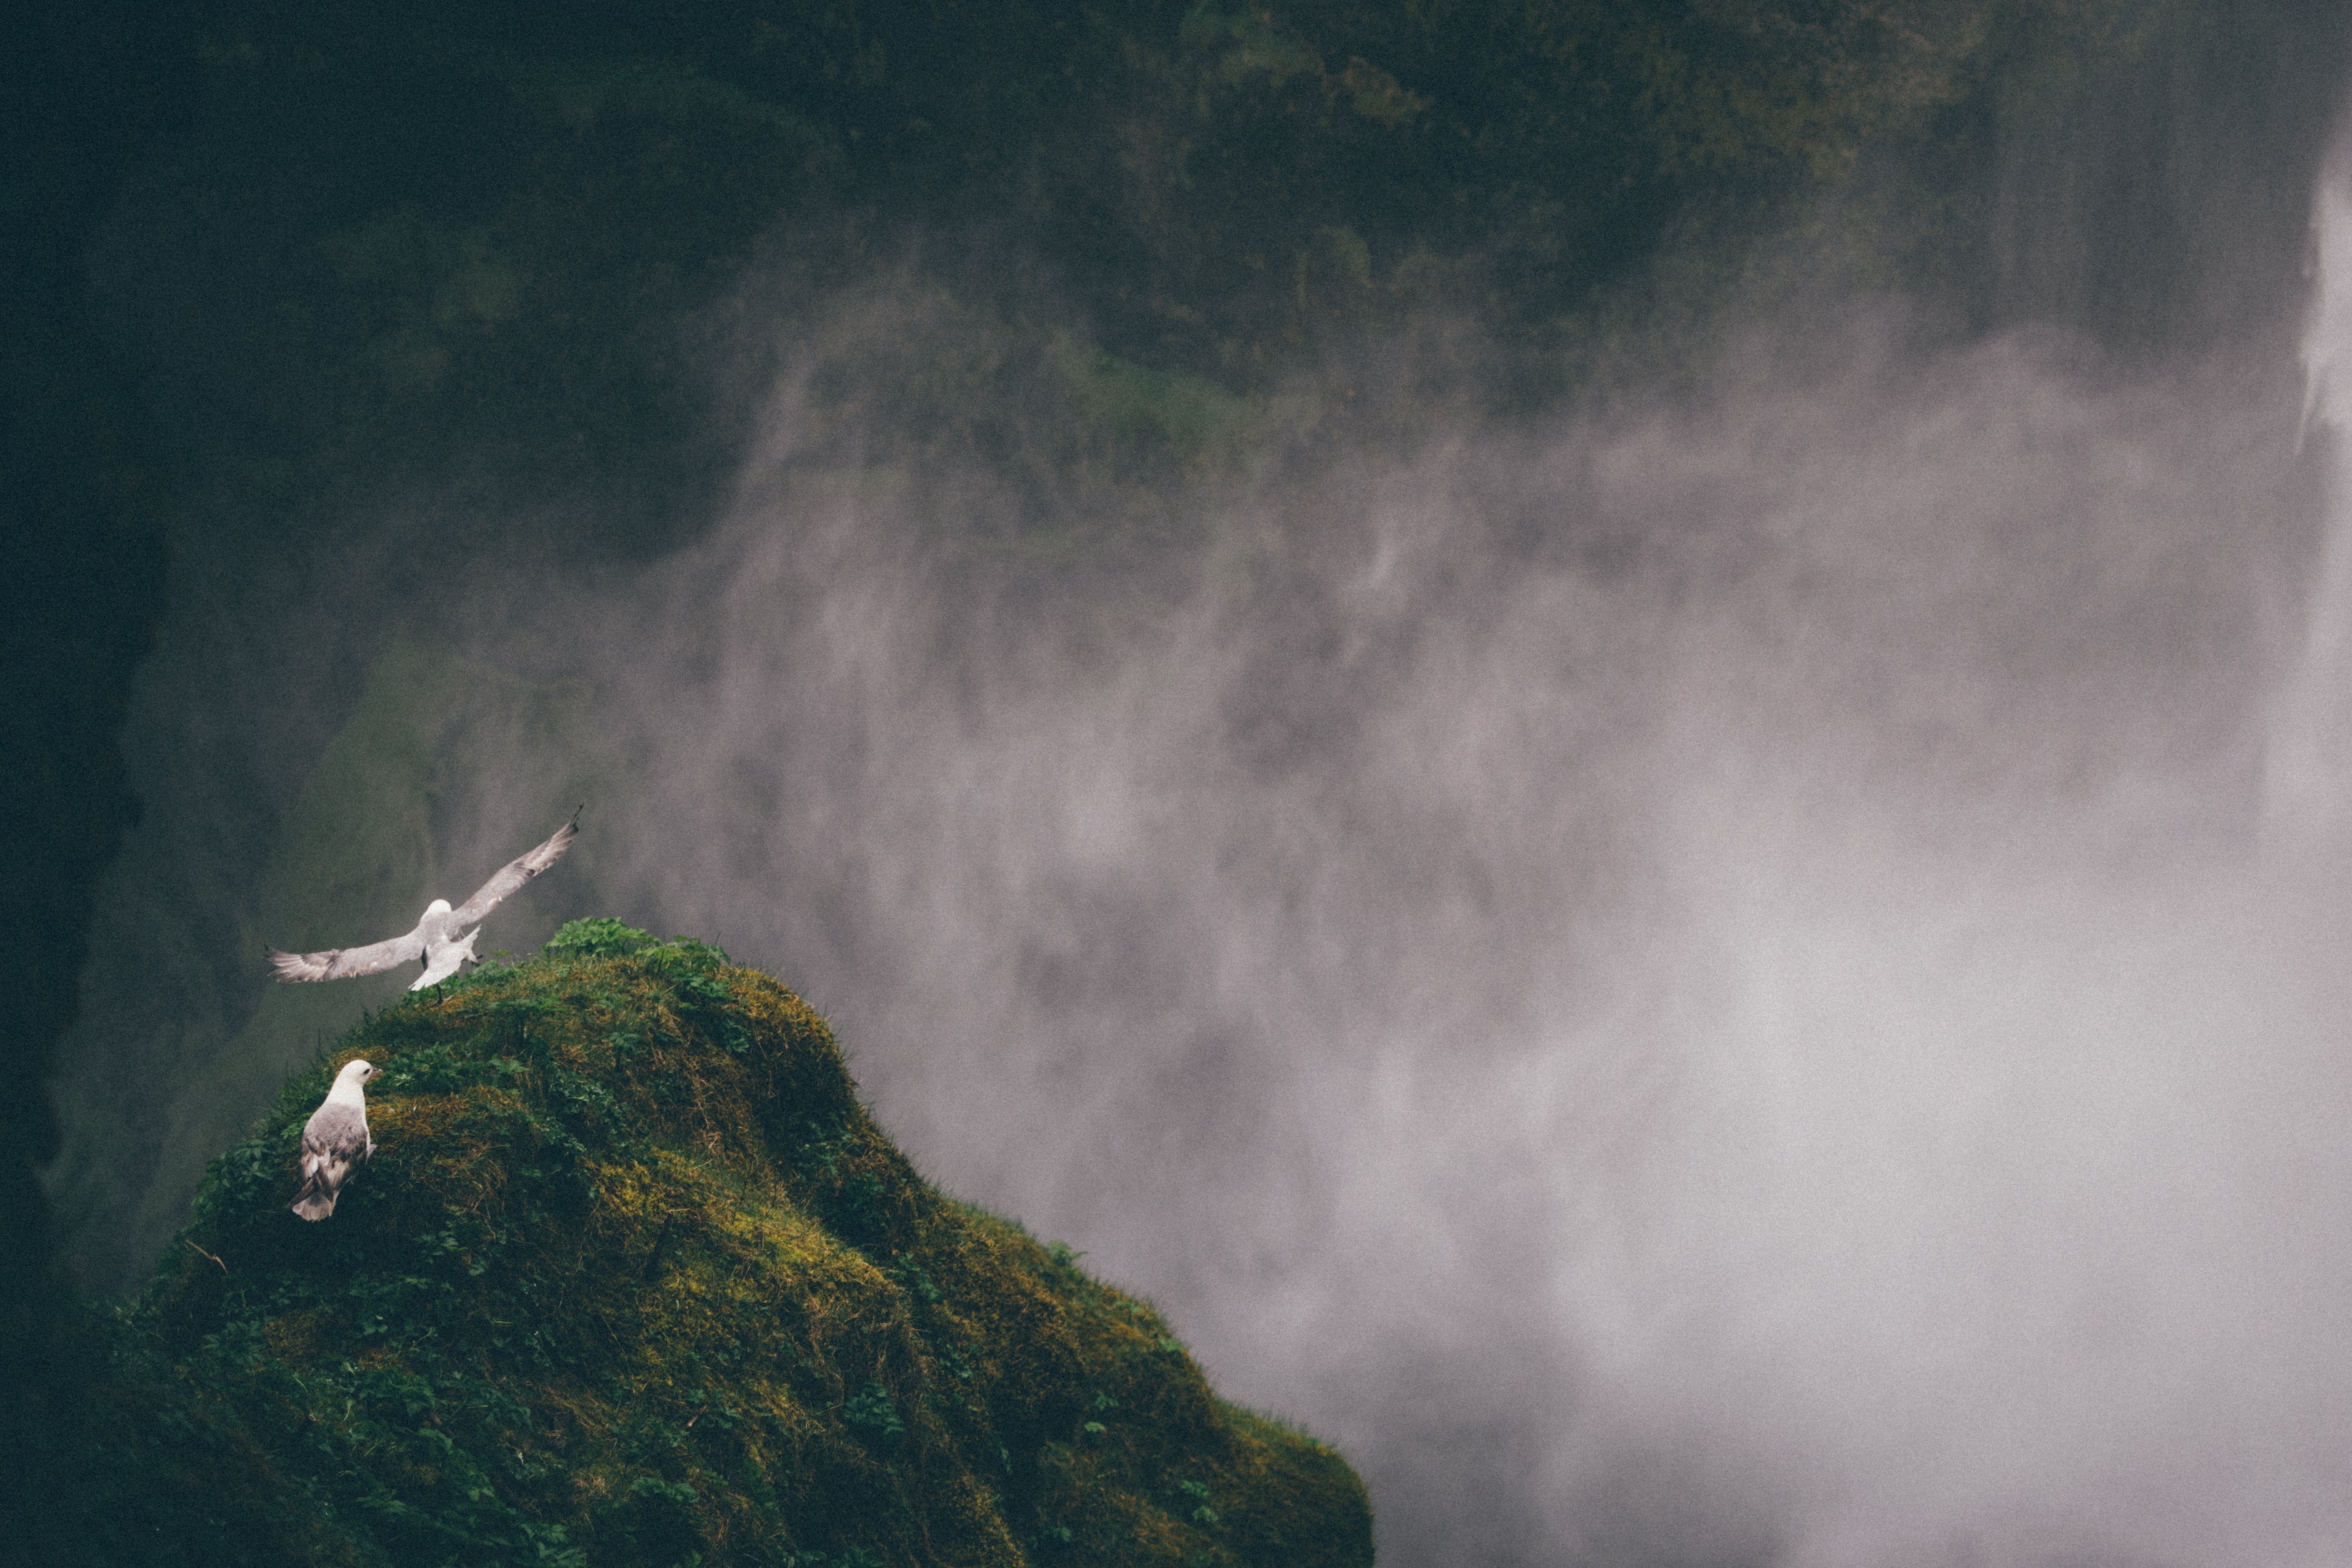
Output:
[[334, 1139], [444, 950]]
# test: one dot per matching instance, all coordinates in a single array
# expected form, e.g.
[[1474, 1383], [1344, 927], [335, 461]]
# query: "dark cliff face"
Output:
[[84, 93], [634, 1277]]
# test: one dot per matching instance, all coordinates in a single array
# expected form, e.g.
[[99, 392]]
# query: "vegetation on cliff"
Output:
[[635, 1278], [502, 245]]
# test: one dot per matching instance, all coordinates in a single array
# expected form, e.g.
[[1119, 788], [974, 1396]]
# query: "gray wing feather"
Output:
[[338, 962], [513, 875]]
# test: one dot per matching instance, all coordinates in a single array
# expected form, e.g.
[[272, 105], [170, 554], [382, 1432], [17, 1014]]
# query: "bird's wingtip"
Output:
[[296, 965]]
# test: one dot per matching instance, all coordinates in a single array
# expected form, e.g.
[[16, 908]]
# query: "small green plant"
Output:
[[695, 952], [598, 936], [875, 1411]]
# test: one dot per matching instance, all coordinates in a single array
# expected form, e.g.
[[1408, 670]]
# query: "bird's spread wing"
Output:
[[513, 875], [337, 962]]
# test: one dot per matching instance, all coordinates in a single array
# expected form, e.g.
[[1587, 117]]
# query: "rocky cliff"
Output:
[[634, 1278]]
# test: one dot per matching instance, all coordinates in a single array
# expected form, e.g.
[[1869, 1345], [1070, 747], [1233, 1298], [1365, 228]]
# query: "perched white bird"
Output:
[[333, 1140], [440, 942]]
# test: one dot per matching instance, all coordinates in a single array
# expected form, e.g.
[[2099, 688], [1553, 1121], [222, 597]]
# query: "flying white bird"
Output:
[[440, 942], [333, 1140]]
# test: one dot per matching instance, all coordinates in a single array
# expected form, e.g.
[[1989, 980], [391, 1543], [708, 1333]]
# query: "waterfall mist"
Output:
[[1739, 976], [1775, 1030]]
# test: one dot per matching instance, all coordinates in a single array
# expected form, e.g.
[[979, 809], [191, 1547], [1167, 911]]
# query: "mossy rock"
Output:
[[635, 1278]]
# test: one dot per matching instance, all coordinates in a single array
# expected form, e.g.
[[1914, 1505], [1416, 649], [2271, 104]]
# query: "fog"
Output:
[[1804, 1026], [1740, 978]]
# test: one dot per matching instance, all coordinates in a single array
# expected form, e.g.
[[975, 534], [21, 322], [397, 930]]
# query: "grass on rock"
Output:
[[635, 1278]]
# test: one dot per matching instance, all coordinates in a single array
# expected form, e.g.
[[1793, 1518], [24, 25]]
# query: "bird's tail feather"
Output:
[[315, 1201]]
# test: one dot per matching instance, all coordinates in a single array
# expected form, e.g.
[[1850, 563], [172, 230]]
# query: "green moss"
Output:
[[1187, 416], [634, 1278], [437, 286], [578, 92], [1249, 43]]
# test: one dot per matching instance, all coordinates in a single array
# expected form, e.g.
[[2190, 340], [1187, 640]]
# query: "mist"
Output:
[[1746, 975], [1790, 1027]]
